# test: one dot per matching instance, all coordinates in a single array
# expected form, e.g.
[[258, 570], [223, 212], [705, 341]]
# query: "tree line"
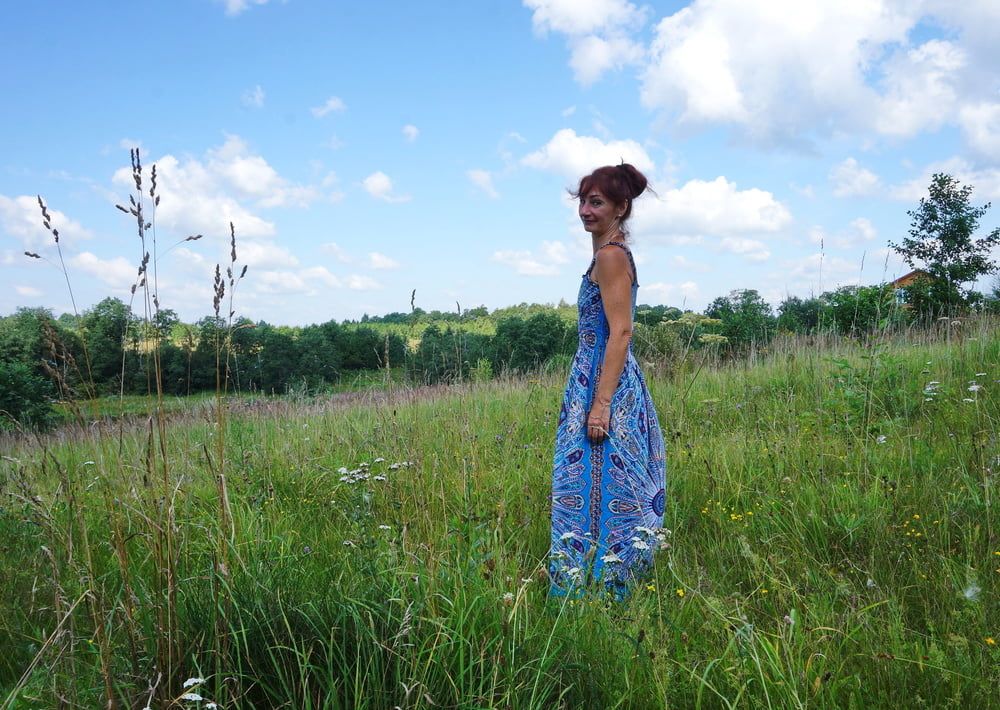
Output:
[[110, 350]]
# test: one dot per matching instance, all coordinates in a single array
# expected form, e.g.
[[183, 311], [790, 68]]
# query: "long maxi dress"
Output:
[[607, 498]]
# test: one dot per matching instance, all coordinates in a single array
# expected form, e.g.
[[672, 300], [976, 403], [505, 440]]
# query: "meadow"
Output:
[[833, 543]]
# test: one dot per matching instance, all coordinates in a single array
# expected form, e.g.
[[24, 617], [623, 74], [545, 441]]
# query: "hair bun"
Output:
[[635, 180]]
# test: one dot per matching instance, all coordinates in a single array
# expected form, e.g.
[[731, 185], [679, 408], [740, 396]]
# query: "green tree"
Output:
[[799, 315], [942, 238], [746, 318]]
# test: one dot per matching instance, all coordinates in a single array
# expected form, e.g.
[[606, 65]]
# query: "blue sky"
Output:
[[364, 150]]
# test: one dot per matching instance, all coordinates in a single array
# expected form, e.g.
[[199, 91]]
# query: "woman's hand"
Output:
[[599, 422]]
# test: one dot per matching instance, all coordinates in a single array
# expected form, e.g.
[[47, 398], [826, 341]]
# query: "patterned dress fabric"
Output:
[[607, 498]]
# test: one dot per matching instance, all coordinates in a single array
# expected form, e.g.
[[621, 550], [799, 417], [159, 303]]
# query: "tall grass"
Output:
[[834, 545]]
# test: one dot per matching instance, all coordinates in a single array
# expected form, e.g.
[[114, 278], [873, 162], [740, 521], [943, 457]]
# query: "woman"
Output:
[[609, 469]]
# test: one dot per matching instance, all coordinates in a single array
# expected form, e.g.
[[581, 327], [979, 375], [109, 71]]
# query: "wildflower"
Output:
[[990, 641], [679, 592], [378, 478], [349, 543], [870, 583], [378, 460], [639, 544], [342, 469], [210, 706], [385, 527], [193, 697], [971, 592], [880, 439], [980, 374], [192, 681], [974, 387], [966, 399], [611, 558], [789, 620], [508, 599], [567, 536], [650, 587], [916, 516]]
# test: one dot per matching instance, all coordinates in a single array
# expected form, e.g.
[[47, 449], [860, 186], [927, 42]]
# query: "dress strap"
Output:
[[631, 261]]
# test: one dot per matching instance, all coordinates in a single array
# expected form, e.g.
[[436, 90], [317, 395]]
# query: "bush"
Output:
[[24, 397]]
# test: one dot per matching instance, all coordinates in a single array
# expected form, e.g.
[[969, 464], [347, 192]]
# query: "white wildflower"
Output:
[[385, 527], [870, 583], [342, 469], [880, 439], [349, 543], [394, 467], [972, 592], [611, 558], [966, 399], [974, 387], [508, 599], [980, 374], [192, 681], [567, 536], [210, 706], [193, 697], [378, 478], [639, 544]]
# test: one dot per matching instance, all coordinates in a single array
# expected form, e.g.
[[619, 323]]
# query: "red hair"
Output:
[[619, 183]]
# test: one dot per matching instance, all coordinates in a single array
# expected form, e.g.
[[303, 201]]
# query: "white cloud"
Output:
[[21, 218], [265, 254], [117, 272], [597, 33], [331, 105], [860, 232], [581, 17], [568, 111], [680, 261], [379, 185], [381, 261], [235, 7], [574, 156], [28, 291], [254, 98], [358, 282], [985, 180], [337, 251], [918, 84], [709, 209], [524, 263], [981, 125], [205, 195], [686, 292], [484, 181], [850, 179], [411, 132], [750, 249], [555, 252]]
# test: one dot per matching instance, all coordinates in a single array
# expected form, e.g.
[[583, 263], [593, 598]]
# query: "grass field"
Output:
[[834, 544]]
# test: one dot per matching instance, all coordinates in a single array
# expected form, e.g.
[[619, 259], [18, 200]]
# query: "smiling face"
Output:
[[597, 212]]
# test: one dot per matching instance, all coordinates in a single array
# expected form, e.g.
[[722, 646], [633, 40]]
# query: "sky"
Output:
[[364, 150]]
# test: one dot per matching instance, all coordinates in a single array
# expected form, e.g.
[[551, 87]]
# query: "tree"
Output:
[[942, 239], [746, 317]]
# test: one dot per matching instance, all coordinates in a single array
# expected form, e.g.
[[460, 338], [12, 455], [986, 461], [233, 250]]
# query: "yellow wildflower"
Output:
[[680, 592]]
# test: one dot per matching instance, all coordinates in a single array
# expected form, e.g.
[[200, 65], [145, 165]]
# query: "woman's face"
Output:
[[597, 212]]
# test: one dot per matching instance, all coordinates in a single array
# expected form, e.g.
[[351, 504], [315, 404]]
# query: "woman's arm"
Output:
[[612, 273]]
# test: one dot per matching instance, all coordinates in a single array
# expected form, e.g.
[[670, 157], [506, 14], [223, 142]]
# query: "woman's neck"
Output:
[[614, 234]]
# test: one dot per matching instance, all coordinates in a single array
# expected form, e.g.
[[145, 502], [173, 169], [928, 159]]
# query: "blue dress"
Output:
[[607, 498]]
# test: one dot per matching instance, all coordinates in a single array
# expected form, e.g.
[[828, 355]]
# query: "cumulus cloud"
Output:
[[235, 7], [851, 179], [204, 195], [711, 209], [597, 32], [679, 261], [117, 272], [750, 249], [985, 180], [379, 186], [28, 291], [685, 291], [21, 218], [860, 232], [918, 83], [525, 263], [254, 98], [411, 132], [981, 125], [334, 104], [310, 281], [573, 156], [484, 181], [337, 251], [377, 260]]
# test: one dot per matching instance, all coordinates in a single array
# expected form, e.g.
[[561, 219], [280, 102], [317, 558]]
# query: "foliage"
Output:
[[857, 310], [746, 318], [942, 239], [800, 315], [24, 397]]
